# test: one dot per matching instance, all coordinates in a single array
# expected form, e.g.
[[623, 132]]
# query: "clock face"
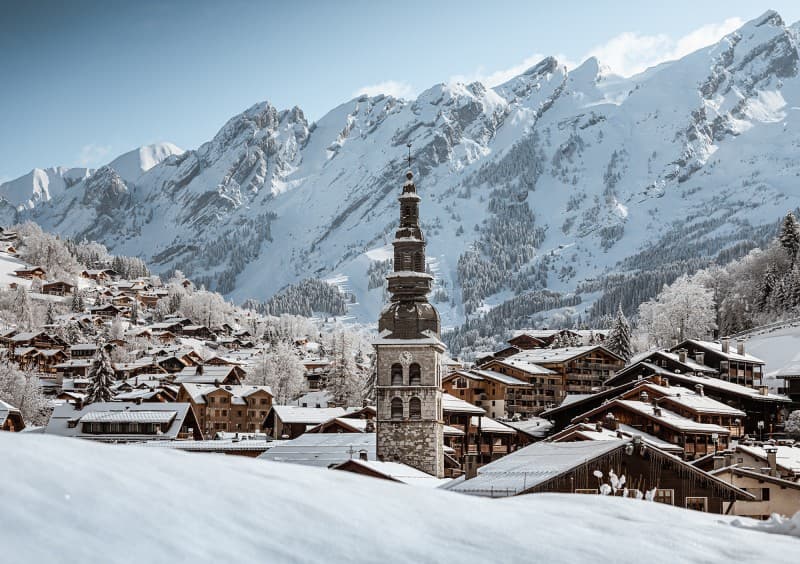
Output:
[[406, 358]]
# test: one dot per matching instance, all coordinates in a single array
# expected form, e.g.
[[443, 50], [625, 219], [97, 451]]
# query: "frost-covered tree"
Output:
[[50, 316], [790, 236], [77, 304], [101, 378], [21, 389], [619, 338], [281, 370], [792, 425], [683, 310], [346, 381], [24, 309], [46, 250], [133, 315]]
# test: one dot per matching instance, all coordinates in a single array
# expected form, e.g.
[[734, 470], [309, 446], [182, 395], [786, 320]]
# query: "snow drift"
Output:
[[65, 500]]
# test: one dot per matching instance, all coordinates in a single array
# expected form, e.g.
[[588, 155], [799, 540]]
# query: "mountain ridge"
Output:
[[555, 179]]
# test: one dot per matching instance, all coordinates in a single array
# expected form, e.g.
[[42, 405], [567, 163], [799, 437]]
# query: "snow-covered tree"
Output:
[[281, 370], [619, 338], [50, 317], [346, 381], [21, 389], [24, 309], [790, 236], [101, 378], [133, 315], [792, 425], [683, 310], [77, 304]]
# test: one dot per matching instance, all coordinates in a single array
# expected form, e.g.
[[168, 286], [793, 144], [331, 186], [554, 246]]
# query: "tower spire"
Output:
[[409, 315]]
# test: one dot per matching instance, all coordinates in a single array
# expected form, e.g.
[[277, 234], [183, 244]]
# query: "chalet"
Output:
[[124, 370], [499, 394], [107, 311], [99, 275], [29, 273], [46, 360], [74, 368], [323, 449], [228, 408], [122, 300], [38, 340], [289, 422], [10, 418], [732, 365], [5, 337], [585, 467], [316, 371], [171, 326], [171, 364], [759, 404], [148, 299], [773, 495], [210, 374], [58, 288], [83, 350], [344, 425], [556, 373], [600, 432], [391, 471], [778, 460], [125, 422], [198, 332], [790, 374], [696, 434]]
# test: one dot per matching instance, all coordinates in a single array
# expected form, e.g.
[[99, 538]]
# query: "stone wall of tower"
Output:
[[417, 442]]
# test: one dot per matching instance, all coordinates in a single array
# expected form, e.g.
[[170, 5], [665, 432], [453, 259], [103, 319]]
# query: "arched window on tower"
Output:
[[397, 408], [415, 408], [397, 374], [414, 375]]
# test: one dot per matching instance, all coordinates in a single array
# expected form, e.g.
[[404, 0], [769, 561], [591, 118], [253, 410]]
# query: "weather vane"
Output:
[[409, 155]]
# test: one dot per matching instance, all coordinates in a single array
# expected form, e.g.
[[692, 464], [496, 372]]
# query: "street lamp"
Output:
[[760, 426], [715, 440]]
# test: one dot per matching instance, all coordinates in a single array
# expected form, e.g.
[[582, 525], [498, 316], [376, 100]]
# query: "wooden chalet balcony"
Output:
[[596, 366]]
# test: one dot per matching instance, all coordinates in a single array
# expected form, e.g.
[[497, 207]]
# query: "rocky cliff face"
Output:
[[555, 180]]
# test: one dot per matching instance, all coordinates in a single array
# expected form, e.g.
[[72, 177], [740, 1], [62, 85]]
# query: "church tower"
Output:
[[409, 354]]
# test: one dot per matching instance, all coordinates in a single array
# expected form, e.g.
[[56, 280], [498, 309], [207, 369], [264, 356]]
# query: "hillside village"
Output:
[[96, 348]]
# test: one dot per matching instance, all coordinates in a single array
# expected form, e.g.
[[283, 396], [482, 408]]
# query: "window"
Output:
[[263, 401], [697, 503], [764, 494], [397, 374], [414, 375], [665, 496], [415, 408], [239, 413], [397, 408]]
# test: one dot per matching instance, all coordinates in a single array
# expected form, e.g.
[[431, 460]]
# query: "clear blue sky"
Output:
[[83, 81]]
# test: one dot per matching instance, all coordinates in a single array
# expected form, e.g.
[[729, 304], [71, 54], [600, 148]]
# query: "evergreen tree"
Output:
[[77, 301], [619, 338], [790, 236], [24, 309], [134, 313], [50, 319], [101, 377]]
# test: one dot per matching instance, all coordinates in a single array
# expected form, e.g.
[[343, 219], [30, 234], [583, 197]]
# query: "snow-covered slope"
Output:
[[132, 164], [132, 504], [553, 179], [779, 346], [40, 185]]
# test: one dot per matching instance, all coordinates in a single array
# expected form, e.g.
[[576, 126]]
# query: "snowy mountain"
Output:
[[132, 164], [575, 181], [386, 521]]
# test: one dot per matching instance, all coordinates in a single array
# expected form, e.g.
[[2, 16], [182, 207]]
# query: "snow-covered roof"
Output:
[[731, 387], [539, 356], [307, 415], [6, 409], [533, 426], [400, 472], [730, 355], [690, 399], [787, 457], [493, 375], [323, 449], [453, 404], [490, 425], [669, 418], [532, 466], [67, 421]]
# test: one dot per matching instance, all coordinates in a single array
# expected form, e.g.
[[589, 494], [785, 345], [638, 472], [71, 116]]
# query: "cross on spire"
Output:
[[409, 155]]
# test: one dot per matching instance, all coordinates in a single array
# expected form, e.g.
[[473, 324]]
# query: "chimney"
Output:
[[700, 357], [763, 390], [643, 396], [699, 389], [370, 428], [665, 382], [610, 422], [725, 345], [682, 355], [740, 346], [772, 459]]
